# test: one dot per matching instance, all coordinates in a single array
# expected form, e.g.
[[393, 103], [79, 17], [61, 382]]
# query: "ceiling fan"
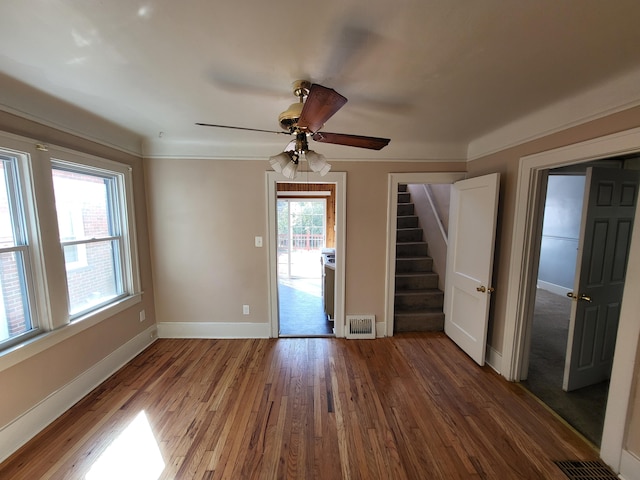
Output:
[[305, 119]]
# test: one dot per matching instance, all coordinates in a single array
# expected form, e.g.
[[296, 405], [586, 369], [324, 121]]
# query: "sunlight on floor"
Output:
[[133, 455]]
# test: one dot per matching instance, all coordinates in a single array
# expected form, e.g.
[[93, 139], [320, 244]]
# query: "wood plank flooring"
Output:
[[408, 407]]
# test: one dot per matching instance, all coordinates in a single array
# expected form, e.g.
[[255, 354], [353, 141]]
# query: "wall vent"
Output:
[[361, 326]]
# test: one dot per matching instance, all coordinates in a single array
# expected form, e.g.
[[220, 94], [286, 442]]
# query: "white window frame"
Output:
[[20, 215], [49, 298], [123, 208]]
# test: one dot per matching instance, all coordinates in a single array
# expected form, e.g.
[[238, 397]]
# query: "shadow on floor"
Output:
[[584, 408], [301, 308]]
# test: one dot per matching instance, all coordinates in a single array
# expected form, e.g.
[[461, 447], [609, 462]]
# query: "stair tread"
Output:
[[418, 313], [416, 274], [422, 291]]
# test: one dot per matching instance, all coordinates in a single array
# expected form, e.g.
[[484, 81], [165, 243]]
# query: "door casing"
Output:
[[340, 179], [392, 219], [521, 282]]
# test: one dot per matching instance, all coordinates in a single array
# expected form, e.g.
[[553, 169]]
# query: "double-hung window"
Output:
[[16, 319], [92, 222]]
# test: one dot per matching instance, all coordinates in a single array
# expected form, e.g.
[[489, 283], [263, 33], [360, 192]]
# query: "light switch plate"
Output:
[[258, 241]]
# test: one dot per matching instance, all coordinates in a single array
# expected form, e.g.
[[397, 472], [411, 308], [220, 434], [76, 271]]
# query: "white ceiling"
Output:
[[432, 75]]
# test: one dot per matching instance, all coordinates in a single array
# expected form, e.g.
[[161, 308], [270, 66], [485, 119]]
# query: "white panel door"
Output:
[[472, 228], [605, 236]]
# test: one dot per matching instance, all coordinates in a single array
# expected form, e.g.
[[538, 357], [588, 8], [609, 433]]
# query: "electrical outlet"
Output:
[[143, 316], [245, 309]]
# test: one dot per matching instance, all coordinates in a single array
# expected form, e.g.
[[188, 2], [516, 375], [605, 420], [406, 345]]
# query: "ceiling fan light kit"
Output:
[[290, 170], [279, 161], [304, 119], [317, 162]]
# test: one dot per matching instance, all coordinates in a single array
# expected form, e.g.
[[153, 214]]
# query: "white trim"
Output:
[[27, 349], [436, 215], [213, 330], [520, 281], [340, 179], [291, 193], [392, 221], [617, 95], [26, 426], [553, 288], [133, 141], [629, 466], [165, 148], [494, 359]]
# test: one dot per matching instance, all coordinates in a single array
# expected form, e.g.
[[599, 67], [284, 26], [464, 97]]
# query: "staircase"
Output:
[[418, 301]]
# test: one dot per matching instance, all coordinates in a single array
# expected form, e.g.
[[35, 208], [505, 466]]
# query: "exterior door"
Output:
[[472, 228], [607, 222]]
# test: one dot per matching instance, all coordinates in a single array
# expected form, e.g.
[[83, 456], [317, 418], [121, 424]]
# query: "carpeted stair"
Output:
[[418, 301]]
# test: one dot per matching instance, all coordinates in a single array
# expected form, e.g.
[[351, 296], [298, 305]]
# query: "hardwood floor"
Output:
[[408, 407]]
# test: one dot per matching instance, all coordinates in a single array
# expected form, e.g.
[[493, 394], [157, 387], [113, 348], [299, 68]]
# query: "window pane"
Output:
[[7, 238], [15, 318], [98, 280], [82, 204]]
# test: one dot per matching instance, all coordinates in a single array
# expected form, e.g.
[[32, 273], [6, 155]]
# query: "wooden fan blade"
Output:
[[373, 143], [320, 105], [243, 128]]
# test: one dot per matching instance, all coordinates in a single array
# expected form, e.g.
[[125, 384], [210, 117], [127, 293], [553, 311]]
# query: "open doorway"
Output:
[[303, 254], [565, 317], [422, 184], [305, 242]]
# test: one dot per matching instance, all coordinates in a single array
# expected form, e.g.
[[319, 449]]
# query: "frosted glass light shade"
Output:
[[278, 162], [290, 170], [317, 162]]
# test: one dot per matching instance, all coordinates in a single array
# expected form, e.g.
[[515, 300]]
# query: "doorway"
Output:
[[551, 376], [522, 278], [395, 179], [281, 256], [302, 242]]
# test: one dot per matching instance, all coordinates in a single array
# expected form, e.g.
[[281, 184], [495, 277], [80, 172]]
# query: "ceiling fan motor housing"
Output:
[[289, 118]]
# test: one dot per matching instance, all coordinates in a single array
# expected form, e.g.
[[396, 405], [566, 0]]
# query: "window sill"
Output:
[[35, 345]]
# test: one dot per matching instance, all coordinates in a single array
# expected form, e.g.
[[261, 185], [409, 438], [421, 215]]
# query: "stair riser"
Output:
[[428, 322], [409, 235], [408, 265], [405, 209], [410, 221], [404, 197], [413, 302], [411, 249], [419, 282]]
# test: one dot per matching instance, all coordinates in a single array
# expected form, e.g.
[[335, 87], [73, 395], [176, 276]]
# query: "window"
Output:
[[15, 275], [68, 253], [91, 212]]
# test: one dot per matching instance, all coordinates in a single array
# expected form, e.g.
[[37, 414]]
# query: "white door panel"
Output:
[[472, 226]]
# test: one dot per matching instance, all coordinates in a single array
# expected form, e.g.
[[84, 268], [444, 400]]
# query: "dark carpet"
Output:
[[301, 309], [584, 408]]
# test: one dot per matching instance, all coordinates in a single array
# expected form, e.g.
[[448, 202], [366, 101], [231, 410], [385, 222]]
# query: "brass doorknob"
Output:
[[582, 296], [481, 288]]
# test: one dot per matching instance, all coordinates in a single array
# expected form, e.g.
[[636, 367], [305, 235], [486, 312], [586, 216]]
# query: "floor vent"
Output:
[[361, 326], [594, 470]]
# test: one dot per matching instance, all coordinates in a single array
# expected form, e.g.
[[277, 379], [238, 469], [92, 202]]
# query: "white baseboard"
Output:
[[381, 329], [26, 426], [494, 359], [629, 466], [553, 288], [213, 330]]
